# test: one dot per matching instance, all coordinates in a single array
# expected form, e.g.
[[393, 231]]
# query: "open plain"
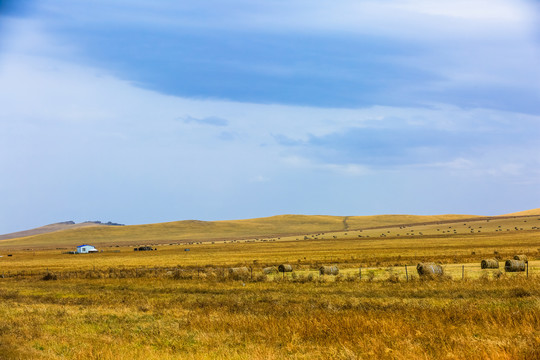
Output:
[[182, 302]]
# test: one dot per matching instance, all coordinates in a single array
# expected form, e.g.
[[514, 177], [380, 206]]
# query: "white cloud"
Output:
[[74, 134], [57, 96], [399, 18], [481, 47], [490, 10]]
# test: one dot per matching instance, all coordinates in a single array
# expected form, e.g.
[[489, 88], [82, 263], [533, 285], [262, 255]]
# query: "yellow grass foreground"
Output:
[[192, 319], [177, 304]]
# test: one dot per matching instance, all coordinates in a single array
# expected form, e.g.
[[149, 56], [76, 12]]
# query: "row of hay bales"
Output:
[[267, 270], [283, 268], [517, 264], [423, 269], [323, 270]]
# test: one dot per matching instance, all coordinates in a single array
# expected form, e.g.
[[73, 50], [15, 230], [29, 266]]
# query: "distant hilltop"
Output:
[[98, 222], [63, 225], [295, 227]]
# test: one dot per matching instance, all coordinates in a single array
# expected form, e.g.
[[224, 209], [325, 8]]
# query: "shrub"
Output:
[[260, 278], [49, 276], [520, 292], [484, 277]]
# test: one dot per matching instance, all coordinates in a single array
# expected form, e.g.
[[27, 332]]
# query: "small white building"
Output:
[[85, 249]]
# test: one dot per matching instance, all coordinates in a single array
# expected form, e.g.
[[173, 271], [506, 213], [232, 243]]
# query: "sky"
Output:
[[152, 111]]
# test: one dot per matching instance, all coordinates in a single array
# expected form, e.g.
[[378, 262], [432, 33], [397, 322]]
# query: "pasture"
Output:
[[177, 304]]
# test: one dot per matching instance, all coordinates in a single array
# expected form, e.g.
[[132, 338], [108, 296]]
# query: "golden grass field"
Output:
[[194, 230], [177, 304]]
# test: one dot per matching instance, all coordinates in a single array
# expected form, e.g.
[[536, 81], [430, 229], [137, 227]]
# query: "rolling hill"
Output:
[[290, 227], [58, 235], [64, 225], [525, 213]]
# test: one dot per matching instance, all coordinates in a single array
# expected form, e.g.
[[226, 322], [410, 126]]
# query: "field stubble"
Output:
[[170, 319], [158, 315]]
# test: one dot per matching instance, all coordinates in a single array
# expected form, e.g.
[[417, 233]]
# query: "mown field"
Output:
[[177, 304], [192, 319], [196, 231]]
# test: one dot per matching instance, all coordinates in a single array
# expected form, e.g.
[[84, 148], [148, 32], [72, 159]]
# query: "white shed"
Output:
[[85, 249]]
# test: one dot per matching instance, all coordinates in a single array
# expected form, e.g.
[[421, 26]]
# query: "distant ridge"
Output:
[[68, 234], [525, 213], [59, 226], [63, 235]]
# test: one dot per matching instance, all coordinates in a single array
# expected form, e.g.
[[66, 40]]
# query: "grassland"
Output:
[[195, 231], [66, 225], [175, 319], [177, 304]]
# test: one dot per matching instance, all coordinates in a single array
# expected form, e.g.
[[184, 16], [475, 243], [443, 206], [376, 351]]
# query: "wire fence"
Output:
[[298, 273]]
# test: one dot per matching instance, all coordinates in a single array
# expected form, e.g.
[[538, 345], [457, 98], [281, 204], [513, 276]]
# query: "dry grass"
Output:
[[157, 305], [347, 252], [169, 319], [193, 230]]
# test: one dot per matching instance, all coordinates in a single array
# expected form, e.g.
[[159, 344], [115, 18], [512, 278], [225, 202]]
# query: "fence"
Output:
[[392, 273]]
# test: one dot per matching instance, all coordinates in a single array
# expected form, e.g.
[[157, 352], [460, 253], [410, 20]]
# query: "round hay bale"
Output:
[[489, 264], [429, 269], [239, 270], [514, 266], [521, 258], [239, 273], [269, 270], [329, 270], [285, 268]]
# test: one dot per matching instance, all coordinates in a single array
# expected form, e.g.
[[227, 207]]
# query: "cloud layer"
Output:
[[161, 112]]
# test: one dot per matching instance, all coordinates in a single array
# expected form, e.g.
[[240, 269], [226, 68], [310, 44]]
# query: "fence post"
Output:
[[406, 273], [360, 272], [251, 272], [462, 272], [527, 269]]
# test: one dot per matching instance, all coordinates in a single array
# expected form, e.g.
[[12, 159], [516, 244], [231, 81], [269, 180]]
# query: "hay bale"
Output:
[[270, 270], [429, 269], [239, 273], [521, 258], [489, 264], [244, 270], [514, 266], [285, 268], [329, 270]]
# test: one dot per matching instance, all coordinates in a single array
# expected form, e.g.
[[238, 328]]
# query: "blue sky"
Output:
[[140, 112]]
